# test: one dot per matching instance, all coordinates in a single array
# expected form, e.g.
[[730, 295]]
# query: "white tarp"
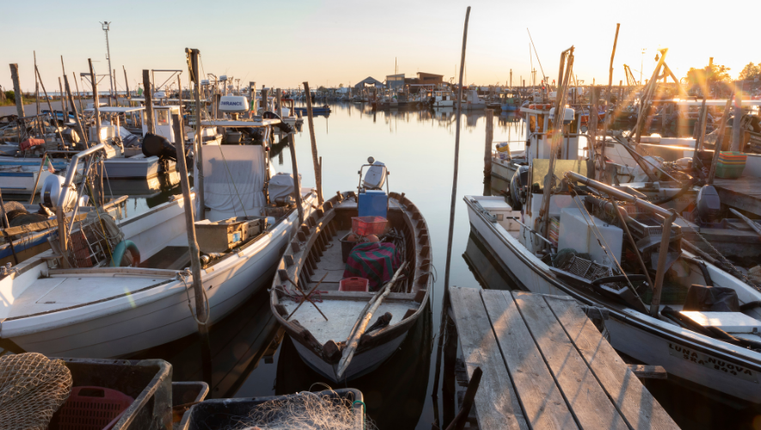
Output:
[[234, 179]]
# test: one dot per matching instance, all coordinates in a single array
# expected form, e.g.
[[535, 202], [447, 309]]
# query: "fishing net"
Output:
[[308, 411], [32, 388]]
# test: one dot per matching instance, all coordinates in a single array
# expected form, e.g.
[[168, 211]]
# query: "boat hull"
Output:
[[682, 353], [362, 363], [125, 325], [133, 167]]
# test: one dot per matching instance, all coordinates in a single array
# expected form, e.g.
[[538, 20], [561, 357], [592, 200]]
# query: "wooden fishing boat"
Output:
[[313, 261]]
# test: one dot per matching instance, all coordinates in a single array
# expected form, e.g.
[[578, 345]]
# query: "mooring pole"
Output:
[[95, 101], [488, 143], [315, 158], [452, 205], [296, 179], [17, 93], [76, 112], [201, 316], [151, 125]]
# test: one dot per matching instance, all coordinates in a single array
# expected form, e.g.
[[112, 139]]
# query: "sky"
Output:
[[327, 43]]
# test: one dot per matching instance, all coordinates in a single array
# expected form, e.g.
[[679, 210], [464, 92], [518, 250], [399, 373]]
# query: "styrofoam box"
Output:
[[576, 232]]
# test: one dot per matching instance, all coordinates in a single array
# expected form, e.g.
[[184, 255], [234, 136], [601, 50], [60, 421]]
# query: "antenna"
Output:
[[106, 27]]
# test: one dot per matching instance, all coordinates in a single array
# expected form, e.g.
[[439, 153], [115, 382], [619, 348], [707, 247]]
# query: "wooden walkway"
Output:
[[546, 366], [743, 193]]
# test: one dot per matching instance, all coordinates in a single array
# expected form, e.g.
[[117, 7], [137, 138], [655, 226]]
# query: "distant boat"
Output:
[[324, 110]]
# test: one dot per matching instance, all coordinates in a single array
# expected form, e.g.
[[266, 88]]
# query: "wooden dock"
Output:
[[743, 193], [545, 365]]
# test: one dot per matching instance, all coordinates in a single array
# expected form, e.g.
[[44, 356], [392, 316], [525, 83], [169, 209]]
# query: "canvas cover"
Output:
[[234, 179]]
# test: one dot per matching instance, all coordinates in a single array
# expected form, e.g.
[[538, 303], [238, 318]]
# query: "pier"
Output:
[[545, 365]]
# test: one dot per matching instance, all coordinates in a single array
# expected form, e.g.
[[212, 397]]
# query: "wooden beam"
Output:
[[643, 371], [497, 405]]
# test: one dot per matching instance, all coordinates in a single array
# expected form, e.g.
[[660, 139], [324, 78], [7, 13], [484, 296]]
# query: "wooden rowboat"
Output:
[[314, 260]]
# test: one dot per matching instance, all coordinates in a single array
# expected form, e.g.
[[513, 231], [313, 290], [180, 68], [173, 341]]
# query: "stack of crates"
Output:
[[730, 165]]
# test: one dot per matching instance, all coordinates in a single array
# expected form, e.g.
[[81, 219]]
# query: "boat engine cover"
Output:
[[159, 146], [518, 184], [51, 190], [375, 176], [708, 204]]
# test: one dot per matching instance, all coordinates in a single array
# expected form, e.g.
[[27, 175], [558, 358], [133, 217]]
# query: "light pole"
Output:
[[107, 26], [642, 65]]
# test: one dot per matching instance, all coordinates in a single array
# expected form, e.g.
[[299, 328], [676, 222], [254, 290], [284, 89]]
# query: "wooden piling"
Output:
[[296, 179], [126, 84], [489, 140], [201, 316], [76, 112], [278, 96], [149, 122], [199, 181], [64, 105], [50, 107], [36, 88], [17, 91], [95, 100], [79, 94], [315, 159]]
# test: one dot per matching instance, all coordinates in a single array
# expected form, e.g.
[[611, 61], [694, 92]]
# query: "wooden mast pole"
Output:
[[150, 124], [315, 158], [76, 112], [95, 101], [608, 112], [202, 315], [452, 205]]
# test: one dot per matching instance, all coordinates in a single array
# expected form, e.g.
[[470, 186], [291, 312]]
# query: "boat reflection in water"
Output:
[[485, 269], [238, 343], [395, 393]]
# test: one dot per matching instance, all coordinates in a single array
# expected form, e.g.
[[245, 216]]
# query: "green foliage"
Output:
[[710, 74], [10, 96], [750, 71]]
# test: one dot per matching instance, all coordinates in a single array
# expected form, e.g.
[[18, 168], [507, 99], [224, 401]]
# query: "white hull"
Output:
[[360, 365], [22, 182], [443, 103], [125, 324], [685, 354]]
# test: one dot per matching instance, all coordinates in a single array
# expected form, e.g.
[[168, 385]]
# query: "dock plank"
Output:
[[496, 403], [542, 401], [588, 401], [638, 407]]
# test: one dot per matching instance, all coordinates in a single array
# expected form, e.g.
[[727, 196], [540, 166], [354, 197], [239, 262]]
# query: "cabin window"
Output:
[[162, 116]]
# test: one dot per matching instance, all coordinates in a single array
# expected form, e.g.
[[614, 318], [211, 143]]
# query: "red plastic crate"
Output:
[[367, 225], [92, 408], [354, 284]]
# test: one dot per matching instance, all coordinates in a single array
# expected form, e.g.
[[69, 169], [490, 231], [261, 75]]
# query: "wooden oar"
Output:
[[353, 341], [748, 221]]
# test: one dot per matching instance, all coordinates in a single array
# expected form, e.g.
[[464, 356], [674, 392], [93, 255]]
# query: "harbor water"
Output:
[[252, 358]]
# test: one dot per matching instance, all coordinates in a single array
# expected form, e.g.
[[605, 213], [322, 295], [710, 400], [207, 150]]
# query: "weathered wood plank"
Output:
[[644, 371], [497, 405], [542, 401], [638, 407], [587, 400]]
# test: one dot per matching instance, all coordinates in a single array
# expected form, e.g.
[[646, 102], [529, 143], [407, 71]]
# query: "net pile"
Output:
[[308, 411], [32, 388]]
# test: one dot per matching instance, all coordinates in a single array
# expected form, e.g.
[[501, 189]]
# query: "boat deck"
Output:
[[743, 193], [545, 365]]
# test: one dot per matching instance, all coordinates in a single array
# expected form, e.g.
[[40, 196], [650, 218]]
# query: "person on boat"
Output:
[[375, 260]]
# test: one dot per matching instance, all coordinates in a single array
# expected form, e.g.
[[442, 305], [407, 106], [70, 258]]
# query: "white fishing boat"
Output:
[[443, 99], [611, 250], [79, 300], [333, 336]]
